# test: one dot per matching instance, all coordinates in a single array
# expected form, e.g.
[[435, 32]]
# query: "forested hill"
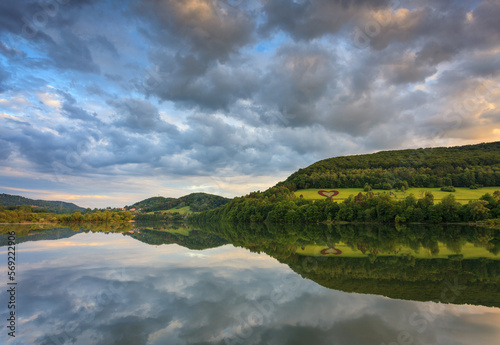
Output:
[[50, 206], [461, 166], [196, 201]]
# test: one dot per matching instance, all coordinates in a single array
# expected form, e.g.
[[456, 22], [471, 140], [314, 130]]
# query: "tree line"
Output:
[[280, 205], [25, 213]]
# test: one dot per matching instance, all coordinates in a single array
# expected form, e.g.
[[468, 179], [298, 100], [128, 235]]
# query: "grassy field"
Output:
[[468, 250], [181, 210], [462, 195]]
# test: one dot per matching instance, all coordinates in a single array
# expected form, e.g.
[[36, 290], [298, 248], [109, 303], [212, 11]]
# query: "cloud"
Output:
[[72, 52], [170, 297], [306, 20], [300, 77], [195, 82], [139, 115], [204, 27], [72, 111], [10, 52], [203, 88], [4, 76], [5, 149]]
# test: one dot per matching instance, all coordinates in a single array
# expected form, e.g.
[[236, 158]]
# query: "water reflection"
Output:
[[450, 264], [109, 288]]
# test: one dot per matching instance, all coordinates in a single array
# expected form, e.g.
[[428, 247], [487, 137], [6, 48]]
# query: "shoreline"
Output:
[[41, 223]]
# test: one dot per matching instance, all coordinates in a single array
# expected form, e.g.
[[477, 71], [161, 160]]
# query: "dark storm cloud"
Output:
[[140, 115], [312, 19], [445, 30], [201, 27], [104, 43], [297, 79], [72, 53], [485, 66], [5, 149], [196, 82], [42, 148], [37, 21]]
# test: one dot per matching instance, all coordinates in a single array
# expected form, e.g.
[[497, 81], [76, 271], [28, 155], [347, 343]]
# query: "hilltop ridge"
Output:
[[59, 207], [459, 166], [196, 202]]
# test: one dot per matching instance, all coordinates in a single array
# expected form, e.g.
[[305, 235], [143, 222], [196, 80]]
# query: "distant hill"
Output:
[[197, 202], [460, 166], [50, 206], [154, 204]]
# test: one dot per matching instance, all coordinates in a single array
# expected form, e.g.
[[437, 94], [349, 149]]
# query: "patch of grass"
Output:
[[181, 210], [462, 195]]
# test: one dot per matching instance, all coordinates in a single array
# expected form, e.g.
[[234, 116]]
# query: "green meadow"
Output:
[[462, 195], [180, 210]]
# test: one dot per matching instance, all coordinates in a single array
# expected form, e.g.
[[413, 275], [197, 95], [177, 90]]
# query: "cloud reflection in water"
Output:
[[126, 292]]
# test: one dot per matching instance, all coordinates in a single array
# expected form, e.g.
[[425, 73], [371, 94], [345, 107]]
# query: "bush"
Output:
[[450, 189]]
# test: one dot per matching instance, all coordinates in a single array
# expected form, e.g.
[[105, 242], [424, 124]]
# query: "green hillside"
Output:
[[196, 202], [154, 204], [397, 187], [50, 206]]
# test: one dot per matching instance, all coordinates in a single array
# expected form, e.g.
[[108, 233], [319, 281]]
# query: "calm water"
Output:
[[142, 284]]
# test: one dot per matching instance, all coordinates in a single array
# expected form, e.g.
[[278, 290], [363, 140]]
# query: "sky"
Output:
[[105, 103]]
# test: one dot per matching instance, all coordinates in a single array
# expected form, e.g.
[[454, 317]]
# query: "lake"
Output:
[[226, 284]]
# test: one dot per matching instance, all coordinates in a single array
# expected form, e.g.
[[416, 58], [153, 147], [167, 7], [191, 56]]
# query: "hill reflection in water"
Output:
[[141, 284]]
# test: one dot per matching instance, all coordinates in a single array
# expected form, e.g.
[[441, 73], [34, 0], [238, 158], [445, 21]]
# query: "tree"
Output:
[[449, 209], [478, 209], [426, 201], [492, 201]]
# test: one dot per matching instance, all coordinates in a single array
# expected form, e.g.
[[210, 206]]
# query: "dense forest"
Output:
[[462, 166], [49, 206], [197, 202]]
